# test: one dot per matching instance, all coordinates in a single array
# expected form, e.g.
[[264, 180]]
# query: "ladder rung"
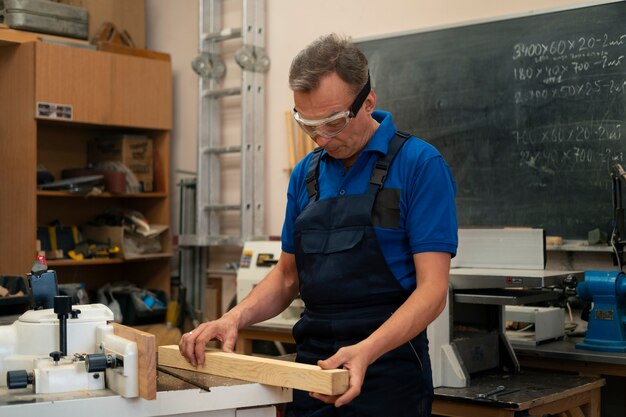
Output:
[[222, 35], [222, 92], [222, 207], [222, 150]]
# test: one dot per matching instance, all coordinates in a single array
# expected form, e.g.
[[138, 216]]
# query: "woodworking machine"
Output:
[[257, 259], [493, 268], [65, 349]]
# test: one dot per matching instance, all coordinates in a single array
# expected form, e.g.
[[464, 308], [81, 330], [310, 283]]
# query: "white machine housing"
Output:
[[257, 259], [26, 345], [67, 375], [488, 259], [548, 323]]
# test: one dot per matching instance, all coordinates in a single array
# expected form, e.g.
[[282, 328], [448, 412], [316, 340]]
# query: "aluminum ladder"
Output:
[[200, 205], [254, 62]]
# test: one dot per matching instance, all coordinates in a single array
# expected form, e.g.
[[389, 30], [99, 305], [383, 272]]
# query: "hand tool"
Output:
[[488, 394], [495, 396]]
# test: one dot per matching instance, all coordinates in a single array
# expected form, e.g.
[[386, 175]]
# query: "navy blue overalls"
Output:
[[349, 291]]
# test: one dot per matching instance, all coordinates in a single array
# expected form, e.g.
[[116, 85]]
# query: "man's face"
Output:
[[334, 96]]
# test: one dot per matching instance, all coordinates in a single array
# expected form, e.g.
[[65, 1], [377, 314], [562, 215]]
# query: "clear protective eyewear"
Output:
[[331, 126]]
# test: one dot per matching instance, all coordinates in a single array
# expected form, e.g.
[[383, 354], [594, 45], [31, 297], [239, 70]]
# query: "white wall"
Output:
[[171, 27]]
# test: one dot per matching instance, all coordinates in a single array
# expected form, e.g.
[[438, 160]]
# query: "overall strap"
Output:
[[379, 173], [311, 175]]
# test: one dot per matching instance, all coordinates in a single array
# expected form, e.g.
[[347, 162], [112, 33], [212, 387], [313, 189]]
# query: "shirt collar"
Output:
[[386, 130]]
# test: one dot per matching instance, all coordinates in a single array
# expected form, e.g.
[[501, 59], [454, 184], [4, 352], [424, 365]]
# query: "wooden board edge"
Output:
[[233, 365], [126, 50], [146, 352]]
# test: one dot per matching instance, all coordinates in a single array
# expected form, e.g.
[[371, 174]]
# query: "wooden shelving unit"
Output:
[[64, 194], [109, 94]]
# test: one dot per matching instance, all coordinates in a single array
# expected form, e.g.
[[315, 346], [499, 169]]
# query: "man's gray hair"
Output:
[[328, 54]]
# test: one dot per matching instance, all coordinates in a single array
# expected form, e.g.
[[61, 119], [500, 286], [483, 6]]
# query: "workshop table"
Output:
[[527, 393], [179, 393], [262, 332], [562, 356]]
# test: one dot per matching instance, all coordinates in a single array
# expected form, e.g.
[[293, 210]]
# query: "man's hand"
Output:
[[193, 343], [356, 360]]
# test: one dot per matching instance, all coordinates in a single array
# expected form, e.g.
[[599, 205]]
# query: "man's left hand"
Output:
[[355, 360]]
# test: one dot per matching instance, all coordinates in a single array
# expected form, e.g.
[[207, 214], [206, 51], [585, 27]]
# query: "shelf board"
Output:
[[578, 246], [107, 261], [65, 194]]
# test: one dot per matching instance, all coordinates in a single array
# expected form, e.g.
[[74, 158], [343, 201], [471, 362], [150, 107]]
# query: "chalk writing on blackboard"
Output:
[[530, 112]]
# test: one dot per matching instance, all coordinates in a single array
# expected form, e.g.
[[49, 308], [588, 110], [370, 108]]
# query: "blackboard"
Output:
[[529, 112]]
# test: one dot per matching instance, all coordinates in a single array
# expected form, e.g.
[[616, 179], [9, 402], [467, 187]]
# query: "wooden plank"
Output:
[[146, 358], [248, 335], [576, 412], [460, 409], [263, 370], [567, 404]]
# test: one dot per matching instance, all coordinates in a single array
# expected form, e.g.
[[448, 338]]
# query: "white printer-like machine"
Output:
[[496, 274], [257, 259]]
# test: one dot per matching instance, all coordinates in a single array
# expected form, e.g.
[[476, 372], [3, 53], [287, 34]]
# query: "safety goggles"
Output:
[[333, 125]]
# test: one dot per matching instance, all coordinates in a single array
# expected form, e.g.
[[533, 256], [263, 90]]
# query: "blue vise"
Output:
[[606, 330]]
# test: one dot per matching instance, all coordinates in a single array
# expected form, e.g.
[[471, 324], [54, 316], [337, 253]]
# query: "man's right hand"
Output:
[[192, 344]]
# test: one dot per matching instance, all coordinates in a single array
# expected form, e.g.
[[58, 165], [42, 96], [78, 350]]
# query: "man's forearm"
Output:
[[422, 307]]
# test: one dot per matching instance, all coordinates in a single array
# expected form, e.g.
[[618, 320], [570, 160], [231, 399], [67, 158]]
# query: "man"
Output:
[[368, 235]]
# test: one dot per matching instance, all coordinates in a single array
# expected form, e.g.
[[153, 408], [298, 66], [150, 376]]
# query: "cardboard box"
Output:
[[126, 15], [134, 151], [114, 235]]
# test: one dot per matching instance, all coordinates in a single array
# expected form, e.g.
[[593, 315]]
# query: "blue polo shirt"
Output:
[[427, 197]]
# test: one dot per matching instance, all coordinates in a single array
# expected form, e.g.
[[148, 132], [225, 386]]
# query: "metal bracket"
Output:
[[208, 65], [253, 58]]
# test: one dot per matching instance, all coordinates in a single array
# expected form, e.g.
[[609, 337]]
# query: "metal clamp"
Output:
[[208, 65], [253, 58]]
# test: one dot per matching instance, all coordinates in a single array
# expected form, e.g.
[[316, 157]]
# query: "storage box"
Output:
[[134, 151], [128, 250], [128, 15], [44, 16], [133, 316]]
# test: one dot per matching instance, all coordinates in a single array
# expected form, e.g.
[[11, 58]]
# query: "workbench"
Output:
[[176, 395], [528, 393], [568, 358], [562, 356], [263, 332]]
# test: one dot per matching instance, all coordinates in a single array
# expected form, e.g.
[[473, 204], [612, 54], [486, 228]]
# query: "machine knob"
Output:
[[99, 362], [56, 356], [18, 379], [62, 305]]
